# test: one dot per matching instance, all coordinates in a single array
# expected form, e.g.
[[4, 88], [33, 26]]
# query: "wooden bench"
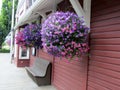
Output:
[[40, 72]]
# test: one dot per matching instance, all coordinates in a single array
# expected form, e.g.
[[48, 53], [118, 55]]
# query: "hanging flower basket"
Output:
[[65, 34], [30, 36], [20, 39]]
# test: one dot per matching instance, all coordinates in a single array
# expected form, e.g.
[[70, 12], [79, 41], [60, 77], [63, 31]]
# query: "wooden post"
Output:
[[12, 31], [85, 11]]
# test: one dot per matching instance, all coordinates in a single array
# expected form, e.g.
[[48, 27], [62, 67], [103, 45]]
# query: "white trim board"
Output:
[[85, 11]]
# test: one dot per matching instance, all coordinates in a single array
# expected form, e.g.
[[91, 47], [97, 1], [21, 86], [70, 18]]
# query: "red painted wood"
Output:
[[104, 83], [97, 86], [104, 63], [104, 11], [106, 22], [109, 41], [40, 54], [106, 47], [32, 58], [106, 16], [45, 55], [105, 78], [111, 54], [70, 75], [67, 77], [108, 28], [104, 35], [91, 88], [105, 71], [106, 59], [23, 63], [100, 5]]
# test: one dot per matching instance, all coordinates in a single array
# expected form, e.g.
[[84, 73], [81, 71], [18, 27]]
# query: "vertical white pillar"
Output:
[[12, 31]]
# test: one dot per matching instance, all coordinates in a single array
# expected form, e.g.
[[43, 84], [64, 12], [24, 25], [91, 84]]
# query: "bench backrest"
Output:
[[40, 66]]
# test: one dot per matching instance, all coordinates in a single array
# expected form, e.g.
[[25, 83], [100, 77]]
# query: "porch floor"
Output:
[[13, 78]]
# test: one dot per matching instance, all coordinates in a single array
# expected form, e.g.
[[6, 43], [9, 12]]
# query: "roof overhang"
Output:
[[31, 14]]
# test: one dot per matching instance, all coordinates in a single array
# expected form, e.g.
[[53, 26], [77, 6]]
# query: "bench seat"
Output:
[[40, 72]]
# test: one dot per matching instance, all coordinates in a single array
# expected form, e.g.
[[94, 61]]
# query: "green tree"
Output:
[[5, 19]]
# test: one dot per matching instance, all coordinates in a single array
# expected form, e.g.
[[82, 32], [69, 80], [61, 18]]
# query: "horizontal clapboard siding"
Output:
[[109, 28], [104, 63], [109, 41], [70, 75]]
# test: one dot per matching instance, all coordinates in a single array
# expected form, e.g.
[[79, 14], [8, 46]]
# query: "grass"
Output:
[[3, 50]]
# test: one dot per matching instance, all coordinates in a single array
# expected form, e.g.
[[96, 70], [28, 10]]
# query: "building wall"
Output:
[[41, 54], [19, 62], [104, 60], [66, 75], [32, 57], [104, 65], [70, 74]]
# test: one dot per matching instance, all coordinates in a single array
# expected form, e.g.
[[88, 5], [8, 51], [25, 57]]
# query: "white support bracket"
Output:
[[85, 11], [43, 15], [54, 6]]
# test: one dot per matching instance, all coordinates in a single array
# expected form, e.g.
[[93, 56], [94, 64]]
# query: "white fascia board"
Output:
[[28, 13], [39, 5]]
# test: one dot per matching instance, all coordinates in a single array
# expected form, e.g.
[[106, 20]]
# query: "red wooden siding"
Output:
[[66, 75], [69, 75], [41, 54], [45, 55], [32, 58], [104, 65]]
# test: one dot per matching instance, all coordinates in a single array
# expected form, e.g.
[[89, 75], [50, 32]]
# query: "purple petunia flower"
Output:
[[31, 35], [64, 34]]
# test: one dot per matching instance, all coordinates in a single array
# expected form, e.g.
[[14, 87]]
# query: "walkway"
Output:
[[13, 78]]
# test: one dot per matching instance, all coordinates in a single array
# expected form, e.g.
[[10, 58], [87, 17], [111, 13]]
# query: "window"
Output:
[[23, 53]]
